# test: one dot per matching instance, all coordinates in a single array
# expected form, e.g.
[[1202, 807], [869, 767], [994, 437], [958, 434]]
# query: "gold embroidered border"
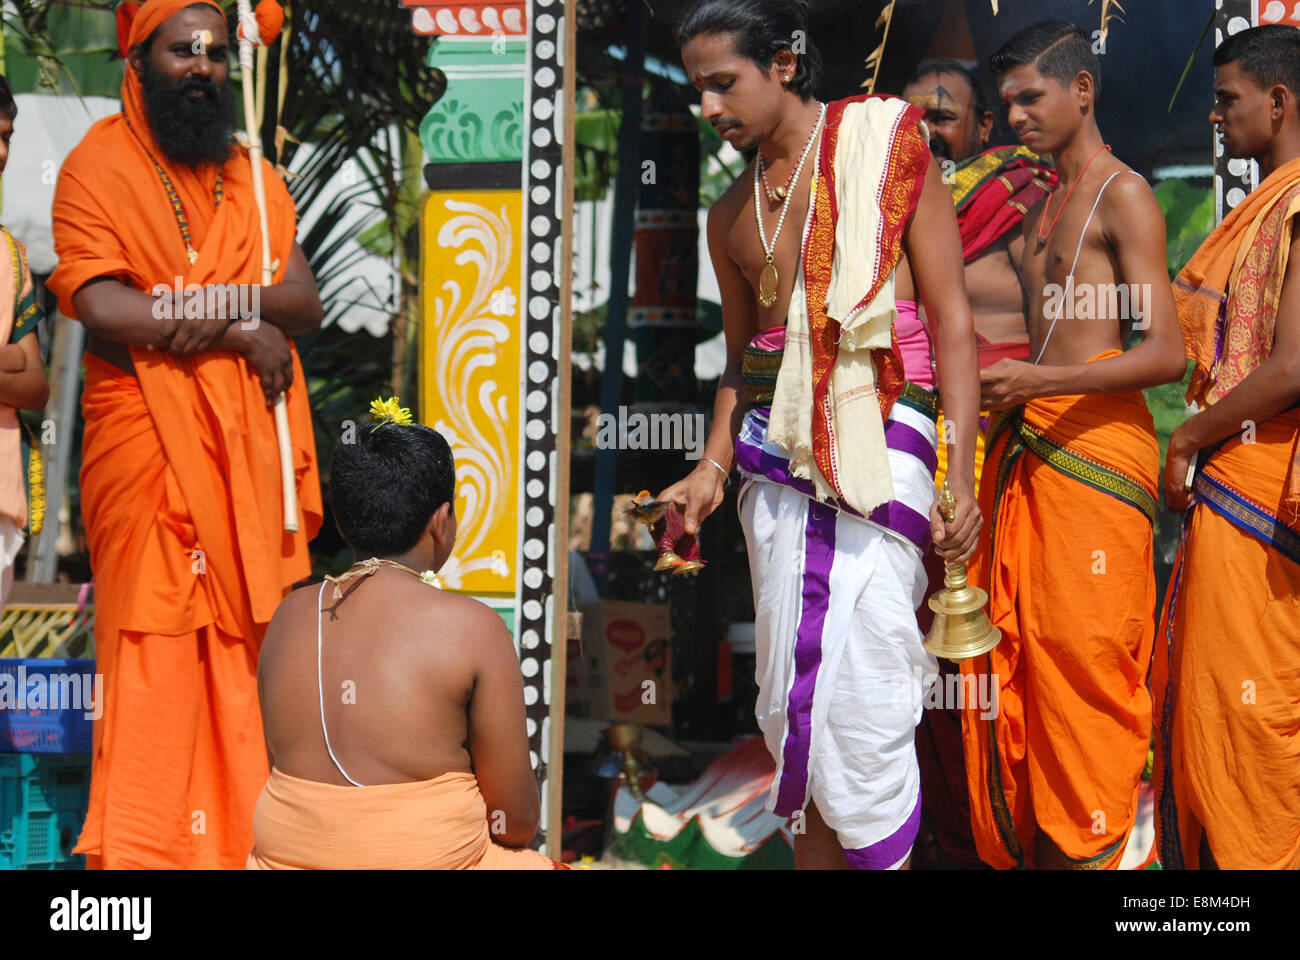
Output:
[[1096, 475]]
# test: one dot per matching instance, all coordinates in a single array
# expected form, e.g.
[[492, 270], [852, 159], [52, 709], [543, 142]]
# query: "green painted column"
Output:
[[480, 119]]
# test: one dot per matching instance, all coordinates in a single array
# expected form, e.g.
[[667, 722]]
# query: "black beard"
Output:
[[939, 148], [190, 131]]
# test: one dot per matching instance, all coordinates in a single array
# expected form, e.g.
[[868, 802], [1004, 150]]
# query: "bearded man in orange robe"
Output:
[[180, 475]]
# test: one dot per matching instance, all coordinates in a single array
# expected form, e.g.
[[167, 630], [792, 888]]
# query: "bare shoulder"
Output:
[[471, 622], [298, 606], [469, 612], [298, 603], [732, 203], [1128, 196], [482, 631]]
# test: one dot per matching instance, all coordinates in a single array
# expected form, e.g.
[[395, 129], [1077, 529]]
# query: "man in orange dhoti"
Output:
[[180, 476], [1069, 488], [1226, 675], [992, 190]]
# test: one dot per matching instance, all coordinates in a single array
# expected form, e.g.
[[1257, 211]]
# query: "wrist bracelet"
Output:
[[726, 474]]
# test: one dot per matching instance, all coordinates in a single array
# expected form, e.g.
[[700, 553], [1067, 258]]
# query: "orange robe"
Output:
[[180, 486], [438, 824], [1226, 675], [1068, 495]]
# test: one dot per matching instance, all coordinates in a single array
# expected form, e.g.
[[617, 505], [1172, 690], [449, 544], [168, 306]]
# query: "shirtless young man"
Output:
[[992, 189], [393, 712], [836, 453], [1069, 487], [1227, 764]]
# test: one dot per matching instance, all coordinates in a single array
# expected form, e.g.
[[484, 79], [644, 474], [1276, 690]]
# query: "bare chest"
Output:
[[992, 285], [1074, 258], [770, 260]]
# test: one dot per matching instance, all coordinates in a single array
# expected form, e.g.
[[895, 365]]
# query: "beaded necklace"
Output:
[[768, 278], [178, 208], [779, 194]]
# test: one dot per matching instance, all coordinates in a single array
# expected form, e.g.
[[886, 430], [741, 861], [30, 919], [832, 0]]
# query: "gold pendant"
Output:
[[193, 255], [767, 281], [779, 192]]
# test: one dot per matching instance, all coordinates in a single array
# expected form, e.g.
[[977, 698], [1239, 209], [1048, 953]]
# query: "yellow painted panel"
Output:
[[471, 345]]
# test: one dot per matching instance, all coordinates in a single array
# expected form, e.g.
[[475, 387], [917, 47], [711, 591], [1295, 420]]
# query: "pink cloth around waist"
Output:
[[772, 339], [913, 342], [914, 345]]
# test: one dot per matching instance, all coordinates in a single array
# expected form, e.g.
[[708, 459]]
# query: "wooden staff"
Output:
[[248, 23]]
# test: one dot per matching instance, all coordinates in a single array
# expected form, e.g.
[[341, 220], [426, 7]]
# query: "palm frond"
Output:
[[1187, 68], [877, 55], [1107, 15], [359, 85]]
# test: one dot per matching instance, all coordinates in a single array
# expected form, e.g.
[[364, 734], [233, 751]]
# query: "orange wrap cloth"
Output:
[[1068, 493], [181, 493], [438, 824], [1226, 675], [1227, 337]]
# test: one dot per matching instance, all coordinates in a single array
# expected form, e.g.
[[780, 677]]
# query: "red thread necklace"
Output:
[[1042, 237]]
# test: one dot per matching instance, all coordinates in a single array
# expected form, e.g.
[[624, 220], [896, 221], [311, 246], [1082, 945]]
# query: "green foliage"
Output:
[[595, 136], [596, 157], [359, 85], [62, 48], [1189, 218]]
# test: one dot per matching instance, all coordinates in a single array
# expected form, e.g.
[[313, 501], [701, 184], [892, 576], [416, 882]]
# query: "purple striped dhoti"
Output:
[[840, 661]]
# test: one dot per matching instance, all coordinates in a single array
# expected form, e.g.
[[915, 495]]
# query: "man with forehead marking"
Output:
[[992, 189], [180, 471], [831, 427], [1069, 487]]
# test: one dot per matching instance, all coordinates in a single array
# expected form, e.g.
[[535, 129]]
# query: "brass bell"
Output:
[[961, 629]]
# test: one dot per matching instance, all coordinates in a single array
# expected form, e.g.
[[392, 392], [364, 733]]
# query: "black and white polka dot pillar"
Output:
[[1233, 179], [539, 622]]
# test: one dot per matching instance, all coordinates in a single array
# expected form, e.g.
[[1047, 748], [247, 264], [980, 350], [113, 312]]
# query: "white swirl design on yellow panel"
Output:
[[468, 336]]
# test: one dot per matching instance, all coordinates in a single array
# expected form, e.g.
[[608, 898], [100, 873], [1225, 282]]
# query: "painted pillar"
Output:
[[494, 338], [1233, 179]]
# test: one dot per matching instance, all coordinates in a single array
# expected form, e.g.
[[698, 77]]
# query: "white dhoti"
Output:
[[840, 661], [841, 665]]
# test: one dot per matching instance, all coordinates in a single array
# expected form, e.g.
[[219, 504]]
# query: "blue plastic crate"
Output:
[[44, 705], [43, 802]]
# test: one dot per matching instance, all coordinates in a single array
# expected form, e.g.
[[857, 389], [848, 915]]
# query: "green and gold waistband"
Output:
[[759, 369], [1075, 465]]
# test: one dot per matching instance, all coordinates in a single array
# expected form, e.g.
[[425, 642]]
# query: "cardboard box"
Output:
[[624, 671]]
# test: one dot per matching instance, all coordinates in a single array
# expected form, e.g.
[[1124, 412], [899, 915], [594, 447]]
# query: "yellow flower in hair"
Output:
[[390, 411]]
